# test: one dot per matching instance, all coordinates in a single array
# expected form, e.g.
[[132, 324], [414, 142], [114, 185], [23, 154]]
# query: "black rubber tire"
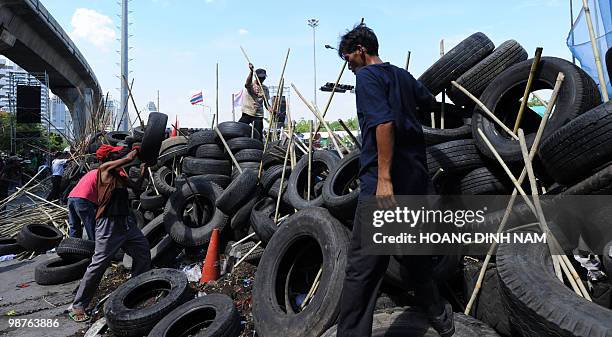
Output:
[[114, 137], [59, 271], [238, 192], [485, 181], [163, 179], [578, 94], [173, 213], [153, 136], [609, 62], [74, 249], [479, 76], [444, 267], [337, 196], [274, 190], [245, 165], [170, 143], [241, 218], [242, 143], [161, 247], [243, 248], [199, 138], [539, 304], [199, 166], [174, 153], [272, 174], [211, 151], [218, 179], [246, 155], [138, 133], [39, 237], [606, 257], [324, 161], [597, 184], [262, 219], [126, 321], [400, 322], [454, 157], [211, 315], [488, 307], [434, 136], [9, 246], [138, 218], [149, 201], [456, 62], [332, 240], [579, 148], [231, 130]]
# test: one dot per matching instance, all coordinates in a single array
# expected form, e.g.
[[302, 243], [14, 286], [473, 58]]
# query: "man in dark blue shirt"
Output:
[[392, 162]]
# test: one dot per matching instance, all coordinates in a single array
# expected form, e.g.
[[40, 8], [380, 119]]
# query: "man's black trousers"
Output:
[[257, 123], [364, 274]]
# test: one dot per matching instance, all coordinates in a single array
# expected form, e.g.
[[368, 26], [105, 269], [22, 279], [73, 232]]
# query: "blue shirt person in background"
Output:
[[392, 162]]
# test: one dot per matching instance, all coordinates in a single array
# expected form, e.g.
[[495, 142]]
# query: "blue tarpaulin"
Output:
[[579, 41]]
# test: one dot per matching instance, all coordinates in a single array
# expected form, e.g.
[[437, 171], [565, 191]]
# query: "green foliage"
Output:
[[56, 142], [534, 102], [303, 125]]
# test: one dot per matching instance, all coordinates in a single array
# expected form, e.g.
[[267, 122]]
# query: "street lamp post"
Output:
[[314, 23]]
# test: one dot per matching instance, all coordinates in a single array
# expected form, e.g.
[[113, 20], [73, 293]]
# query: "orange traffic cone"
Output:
[[210, 270]]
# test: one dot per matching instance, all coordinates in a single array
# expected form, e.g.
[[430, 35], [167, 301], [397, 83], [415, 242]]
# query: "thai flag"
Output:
[[197, 98]]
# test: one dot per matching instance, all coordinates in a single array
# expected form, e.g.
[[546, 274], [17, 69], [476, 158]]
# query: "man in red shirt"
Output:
[[82, 206]]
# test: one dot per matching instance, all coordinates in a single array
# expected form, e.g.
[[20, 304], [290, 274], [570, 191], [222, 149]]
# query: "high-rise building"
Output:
[[61, 121]]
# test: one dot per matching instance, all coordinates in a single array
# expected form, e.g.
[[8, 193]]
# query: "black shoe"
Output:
[[444, 324]]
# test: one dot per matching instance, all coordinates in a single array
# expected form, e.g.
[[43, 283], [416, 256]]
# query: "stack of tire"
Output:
[[574, 150], [73, 257]]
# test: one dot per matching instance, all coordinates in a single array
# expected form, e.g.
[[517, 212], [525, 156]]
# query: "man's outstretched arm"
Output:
[[385, 138]]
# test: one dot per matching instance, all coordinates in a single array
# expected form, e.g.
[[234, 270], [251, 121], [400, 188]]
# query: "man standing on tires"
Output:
[[115, 227], [392, 162], [253, 102]]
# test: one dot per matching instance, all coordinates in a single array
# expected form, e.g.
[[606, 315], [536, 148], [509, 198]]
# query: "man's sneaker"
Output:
[[444, 324]]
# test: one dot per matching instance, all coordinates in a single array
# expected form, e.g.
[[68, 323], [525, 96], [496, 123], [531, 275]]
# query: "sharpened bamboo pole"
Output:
[[534, 67], [407, 60], [274, 111], [256, 78], [485, 109], [313, 288], [350, 134], [331, 95], [502, 224], [600, 73], [133, 101], [247, 254]]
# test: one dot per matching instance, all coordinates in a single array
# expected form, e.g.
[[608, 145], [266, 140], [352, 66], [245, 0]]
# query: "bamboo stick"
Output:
[[227, 148], [538, 206], [534, 67], [600, 73], [443, 90], [282, 181], [331, 95], [153, 181], [313, 288], [320, 120], [43, 200], [407, 60], [485, 109], [532, 152], [134, 102], [507, 170], [350, 134], [247, 254], [310, 161]]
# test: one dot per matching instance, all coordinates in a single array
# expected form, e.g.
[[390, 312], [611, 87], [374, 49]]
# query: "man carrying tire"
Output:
[[253, 102], [392, 162], [115, 227]]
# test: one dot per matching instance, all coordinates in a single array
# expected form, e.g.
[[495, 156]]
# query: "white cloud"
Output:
[[209, 1], [94, 27], [242, 31]]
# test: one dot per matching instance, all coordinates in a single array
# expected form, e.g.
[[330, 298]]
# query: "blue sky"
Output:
[[176, 43]]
